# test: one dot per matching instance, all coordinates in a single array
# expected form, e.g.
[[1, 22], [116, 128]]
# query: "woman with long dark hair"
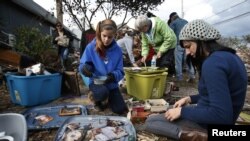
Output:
[[62, 39], [222, 87]]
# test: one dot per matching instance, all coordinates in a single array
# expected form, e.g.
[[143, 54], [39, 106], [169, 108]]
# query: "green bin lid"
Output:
[[145, 70]]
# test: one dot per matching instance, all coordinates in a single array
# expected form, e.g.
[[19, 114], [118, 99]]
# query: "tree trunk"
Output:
[[59, 11]]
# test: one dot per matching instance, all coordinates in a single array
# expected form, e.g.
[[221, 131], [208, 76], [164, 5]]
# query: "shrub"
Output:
[[31, 42]]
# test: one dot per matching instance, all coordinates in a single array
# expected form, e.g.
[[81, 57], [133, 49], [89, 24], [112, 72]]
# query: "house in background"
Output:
[[16, 13]]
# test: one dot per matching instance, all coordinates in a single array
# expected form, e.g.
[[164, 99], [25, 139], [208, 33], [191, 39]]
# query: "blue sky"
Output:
[[230, 17]]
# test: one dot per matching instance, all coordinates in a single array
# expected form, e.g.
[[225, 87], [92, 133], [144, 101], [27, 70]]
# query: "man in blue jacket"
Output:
[[176, 24]]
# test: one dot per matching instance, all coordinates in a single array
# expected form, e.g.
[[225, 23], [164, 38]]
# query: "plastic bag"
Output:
[[63, 41]]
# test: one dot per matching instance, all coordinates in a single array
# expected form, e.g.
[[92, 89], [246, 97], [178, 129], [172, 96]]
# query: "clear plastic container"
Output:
[[153, 62]]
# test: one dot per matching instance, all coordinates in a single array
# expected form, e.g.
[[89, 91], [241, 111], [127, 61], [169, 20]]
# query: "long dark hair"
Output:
[[107, 24], [203, 47]]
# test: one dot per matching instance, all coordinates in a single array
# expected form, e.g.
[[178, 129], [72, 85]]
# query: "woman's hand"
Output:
[[135, 65], [57, 38], [143, 59], [173, 114], [159, 55], [182, 102]]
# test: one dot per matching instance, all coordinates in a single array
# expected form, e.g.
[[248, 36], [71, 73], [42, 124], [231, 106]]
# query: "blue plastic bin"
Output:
[[50, 110], [34, 90]]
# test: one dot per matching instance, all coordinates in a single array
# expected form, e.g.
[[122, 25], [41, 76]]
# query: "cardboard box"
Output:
[[157, 105]]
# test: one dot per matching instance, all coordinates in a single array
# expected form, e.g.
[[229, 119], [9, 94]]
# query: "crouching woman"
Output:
[[103, 57]]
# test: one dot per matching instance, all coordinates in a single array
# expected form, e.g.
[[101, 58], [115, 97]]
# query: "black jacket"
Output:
[[56, 34]]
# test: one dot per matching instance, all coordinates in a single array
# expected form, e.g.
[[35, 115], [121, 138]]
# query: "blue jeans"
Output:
[[115, 99], [63, 52], [159, 125], [180, 59]]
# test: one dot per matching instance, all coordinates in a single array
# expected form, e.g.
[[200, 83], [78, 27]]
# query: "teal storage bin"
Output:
[[85, 80], [34, 90]]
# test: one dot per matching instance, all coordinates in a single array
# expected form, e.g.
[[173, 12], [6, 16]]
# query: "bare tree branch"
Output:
[[86, 10]]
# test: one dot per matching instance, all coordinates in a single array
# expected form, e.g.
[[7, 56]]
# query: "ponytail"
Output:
[[99, 45], [107, 24]]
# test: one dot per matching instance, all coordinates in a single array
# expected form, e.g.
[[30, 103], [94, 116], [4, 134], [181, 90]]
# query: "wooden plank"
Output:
[[9, 57], [70, 83]]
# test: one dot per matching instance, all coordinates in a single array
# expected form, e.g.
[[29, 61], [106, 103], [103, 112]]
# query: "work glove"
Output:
[[87, 69], [110, 78]]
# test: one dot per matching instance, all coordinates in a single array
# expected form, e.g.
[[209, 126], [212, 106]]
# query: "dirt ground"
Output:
[[6, 106]]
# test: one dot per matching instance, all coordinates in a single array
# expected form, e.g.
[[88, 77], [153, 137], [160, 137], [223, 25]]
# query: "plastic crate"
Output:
[[34, 90], [146, 86]]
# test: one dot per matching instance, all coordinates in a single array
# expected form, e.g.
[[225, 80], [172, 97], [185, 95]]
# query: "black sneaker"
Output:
[[100, 106]]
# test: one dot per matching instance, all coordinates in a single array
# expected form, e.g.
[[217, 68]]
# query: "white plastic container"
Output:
[[157, 105], [13, 126], [100, 80]]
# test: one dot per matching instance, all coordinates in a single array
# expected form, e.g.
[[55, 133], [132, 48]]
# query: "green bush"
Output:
[[31, 42]]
